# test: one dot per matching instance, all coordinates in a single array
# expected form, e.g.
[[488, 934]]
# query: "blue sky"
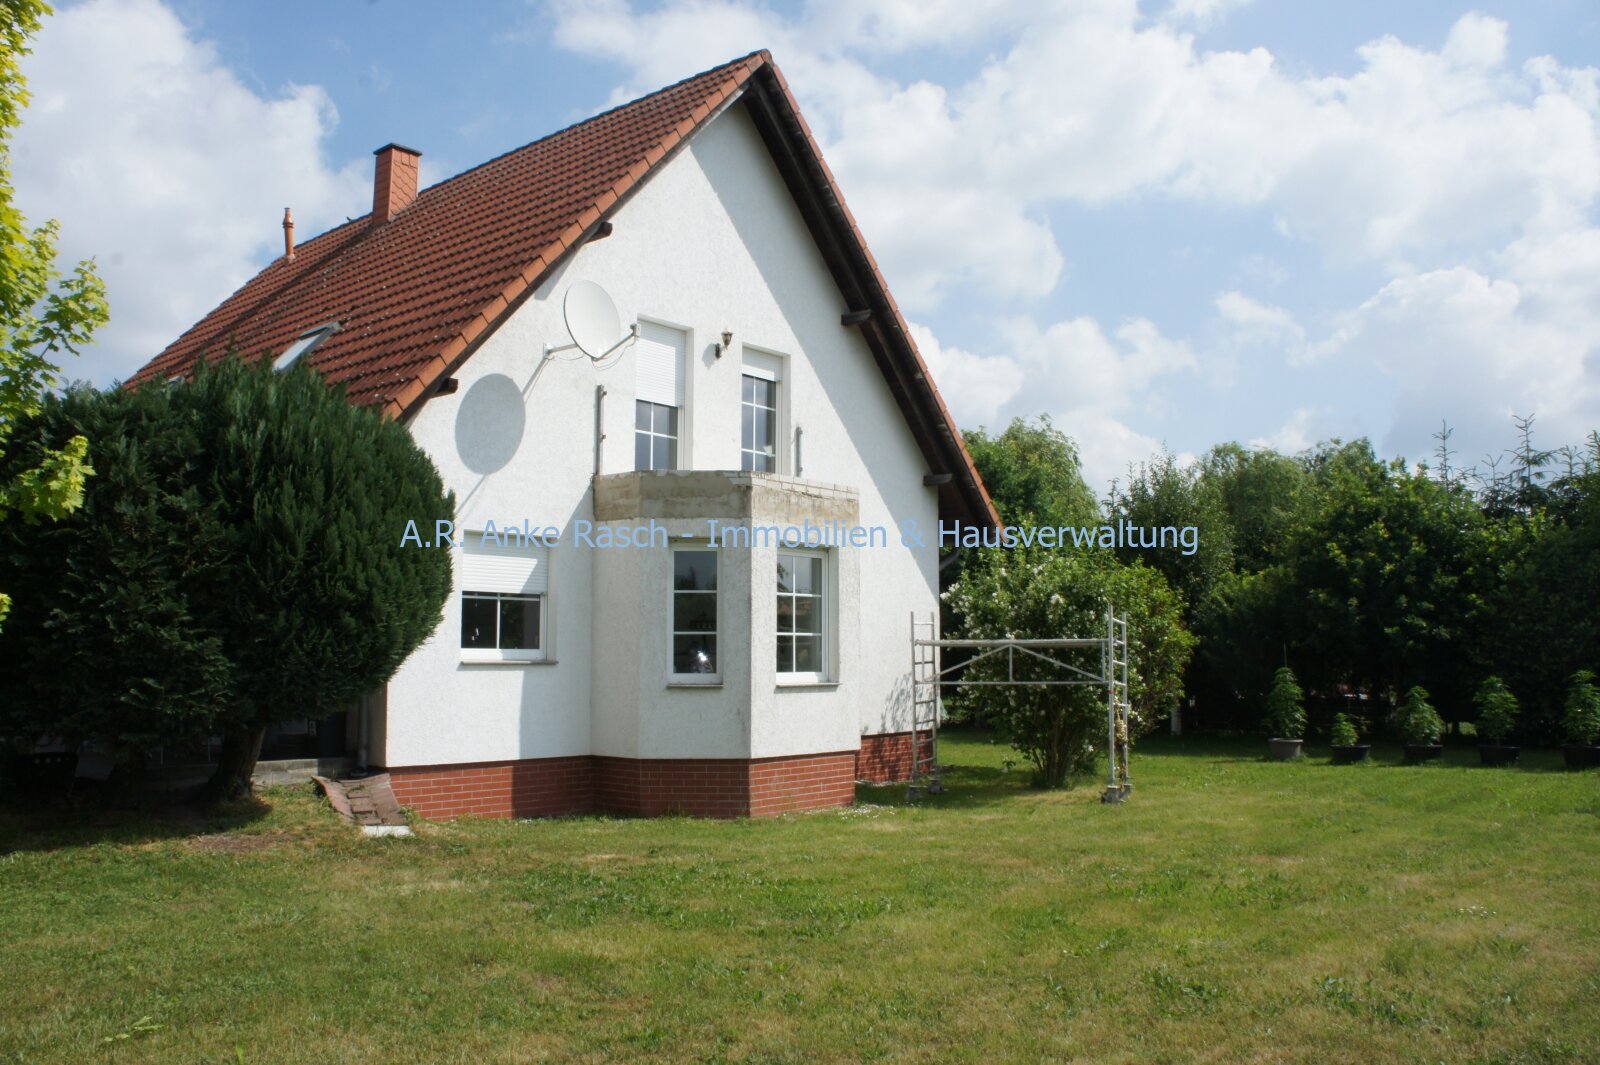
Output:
[[1169, 223]]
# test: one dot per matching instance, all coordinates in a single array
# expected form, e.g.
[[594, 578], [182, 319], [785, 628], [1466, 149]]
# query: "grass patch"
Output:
[[1234, 910]]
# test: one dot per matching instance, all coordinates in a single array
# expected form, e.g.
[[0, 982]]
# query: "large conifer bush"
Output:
[[237, 561]]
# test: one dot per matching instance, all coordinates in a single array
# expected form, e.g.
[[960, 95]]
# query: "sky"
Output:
[[1164, 224]]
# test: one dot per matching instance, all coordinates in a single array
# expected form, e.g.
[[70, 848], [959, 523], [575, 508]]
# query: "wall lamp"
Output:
[[727, 342]]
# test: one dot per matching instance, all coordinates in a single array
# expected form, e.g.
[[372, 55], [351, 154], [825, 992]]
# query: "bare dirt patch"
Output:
[[229, 843]]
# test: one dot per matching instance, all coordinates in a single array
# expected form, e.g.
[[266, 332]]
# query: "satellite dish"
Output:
[[592, 319]]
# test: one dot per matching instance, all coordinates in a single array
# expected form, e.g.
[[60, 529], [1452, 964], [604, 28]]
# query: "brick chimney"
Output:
[[394, 183]]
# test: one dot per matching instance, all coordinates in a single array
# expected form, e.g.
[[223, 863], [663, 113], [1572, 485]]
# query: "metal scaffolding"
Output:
[[930, 677]]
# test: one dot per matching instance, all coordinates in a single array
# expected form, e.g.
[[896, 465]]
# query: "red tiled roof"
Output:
[[415, 294]]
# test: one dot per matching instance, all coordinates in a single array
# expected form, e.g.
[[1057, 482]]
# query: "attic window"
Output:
[[304, 344]]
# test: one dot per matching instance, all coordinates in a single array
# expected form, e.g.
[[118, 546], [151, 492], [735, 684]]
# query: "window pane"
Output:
[[749, 393], [808, 654], [641, 451], [747, 430], [763, 429], [800, 573], [809, 575], [762, 393], [478, 615], [694, 570], [759, 462], [666, 420], [519, 623], [641, 414], [785, 654], [694, 612], [694, 654], [663, 453], [785, 613], [807, 613]]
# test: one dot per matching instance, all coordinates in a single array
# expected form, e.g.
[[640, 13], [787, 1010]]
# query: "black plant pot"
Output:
[[1351, 755], [1492, 755], [1417, 753], [1285, 750], [1581, 757]]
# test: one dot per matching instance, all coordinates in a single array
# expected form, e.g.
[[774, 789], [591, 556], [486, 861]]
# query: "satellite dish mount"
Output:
[[592, 322]]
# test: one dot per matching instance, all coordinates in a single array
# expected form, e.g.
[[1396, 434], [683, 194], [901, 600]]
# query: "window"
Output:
[[758, 449], [491, 621], [655, 436], [801, 616], [504, 613], [658, 357], [304, 344], [760, 412], [694, 614]]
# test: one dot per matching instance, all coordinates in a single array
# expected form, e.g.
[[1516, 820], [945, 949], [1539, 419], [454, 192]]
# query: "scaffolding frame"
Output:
[[930, 677]]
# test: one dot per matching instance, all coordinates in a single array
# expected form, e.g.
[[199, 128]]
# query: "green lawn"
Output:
[[1234, 910]]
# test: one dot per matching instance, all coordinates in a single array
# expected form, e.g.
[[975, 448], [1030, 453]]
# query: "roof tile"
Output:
[[401, 293], [414, 293]]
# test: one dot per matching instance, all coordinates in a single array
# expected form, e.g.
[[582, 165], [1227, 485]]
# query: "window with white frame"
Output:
[[504, 609], [759, 412], [694, 614], [658, 396], [802, 615]]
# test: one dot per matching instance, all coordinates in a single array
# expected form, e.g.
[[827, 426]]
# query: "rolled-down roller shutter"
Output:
[[658, 361], [510, 570]]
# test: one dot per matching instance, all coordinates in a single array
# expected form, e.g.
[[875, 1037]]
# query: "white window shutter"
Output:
[[658, 361], [511, 570], [760, 364]]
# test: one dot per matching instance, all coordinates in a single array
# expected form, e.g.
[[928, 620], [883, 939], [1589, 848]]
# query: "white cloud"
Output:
[[1416, 157], [1305, 427], [1091, 383], [1253, 322], [975, 388], [1203, 12], [166, 168], [1094, 384], [1473, 348]]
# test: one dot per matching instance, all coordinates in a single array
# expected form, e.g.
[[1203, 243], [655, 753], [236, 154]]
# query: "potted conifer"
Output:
[[1421, 727], [1286, 717], [1582, 722], [1347, 746], [1497, 720]]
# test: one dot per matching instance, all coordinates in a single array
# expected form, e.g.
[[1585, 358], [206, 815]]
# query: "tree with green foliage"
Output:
[[1043, 594], [1382, 585], [1540, 623], [1163, 493], [1286, 714], [1033, 474], [261, 515], [1417, 720], [42, 314], [1497, 711], [1582, 718], [106, 641], [1265, 497]]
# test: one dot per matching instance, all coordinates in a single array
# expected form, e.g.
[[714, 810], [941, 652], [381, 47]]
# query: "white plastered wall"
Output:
[[712, 242]]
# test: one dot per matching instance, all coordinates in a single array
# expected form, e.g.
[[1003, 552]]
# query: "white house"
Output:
[[772, 384]]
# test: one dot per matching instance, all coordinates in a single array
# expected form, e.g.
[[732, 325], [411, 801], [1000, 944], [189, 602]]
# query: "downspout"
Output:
[[363, 733]]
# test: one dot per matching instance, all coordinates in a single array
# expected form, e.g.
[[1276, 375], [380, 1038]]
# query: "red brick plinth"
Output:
[[702, 787]]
